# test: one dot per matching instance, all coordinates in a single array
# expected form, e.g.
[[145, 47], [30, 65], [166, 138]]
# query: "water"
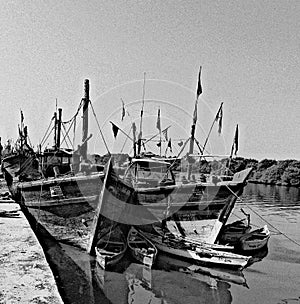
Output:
[[275, 278]]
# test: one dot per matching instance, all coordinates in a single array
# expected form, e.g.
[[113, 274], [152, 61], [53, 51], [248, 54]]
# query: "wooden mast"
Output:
[[85, 123], [58, 129], [55, 130]]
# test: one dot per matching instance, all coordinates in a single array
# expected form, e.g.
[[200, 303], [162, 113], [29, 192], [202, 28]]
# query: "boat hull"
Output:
[[255, 240], [110, 247], [64, 206], [199, 254], [199, 210], [141, 249]]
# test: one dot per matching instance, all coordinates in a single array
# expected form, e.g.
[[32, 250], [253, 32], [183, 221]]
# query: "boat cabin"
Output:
[[52, 160], [146, 172]]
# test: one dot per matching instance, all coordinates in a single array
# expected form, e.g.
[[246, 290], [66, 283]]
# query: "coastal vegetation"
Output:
[[266, 171]]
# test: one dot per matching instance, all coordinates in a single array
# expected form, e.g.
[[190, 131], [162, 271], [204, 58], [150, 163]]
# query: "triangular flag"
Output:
[[219, 117], [158, 120], [199, 88], [165, 133], [123, 109], [170, 145], [115, 129], [236, 139], [220, 121]]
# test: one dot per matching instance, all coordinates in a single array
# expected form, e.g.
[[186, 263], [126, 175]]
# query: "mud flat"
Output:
[[25, 276]]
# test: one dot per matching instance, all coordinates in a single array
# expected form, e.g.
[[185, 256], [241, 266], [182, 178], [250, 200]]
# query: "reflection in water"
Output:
[[81, 280], [277, 206], [139, 284], [272, 195]]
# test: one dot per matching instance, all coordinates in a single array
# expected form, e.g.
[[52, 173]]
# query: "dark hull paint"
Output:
[[65, 207]]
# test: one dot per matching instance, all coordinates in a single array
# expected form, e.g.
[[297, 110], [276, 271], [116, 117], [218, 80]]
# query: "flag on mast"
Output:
[[219, 117], [115, 129], [22, 117], [123, 109], [236, 139], [158, 126], [165, 133], [170, 145], [199, 88], [199, 92]]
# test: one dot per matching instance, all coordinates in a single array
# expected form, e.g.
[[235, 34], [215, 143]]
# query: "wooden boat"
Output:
[[231, 233], [110, 247], [176, 235], [199, 209], [198, 254], [141, 248], [254, 240], [53, 187], [148, 193]]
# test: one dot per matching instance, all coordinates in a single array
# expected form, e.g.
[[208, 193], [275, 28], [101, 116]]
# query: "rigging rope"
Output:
[[75, 115], [42, 141], [99, 128], [276, 229], [67, 137]]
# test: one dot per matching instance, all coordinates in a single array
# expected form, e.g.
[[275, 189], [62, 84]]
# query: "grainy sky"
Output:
[[249, 51]]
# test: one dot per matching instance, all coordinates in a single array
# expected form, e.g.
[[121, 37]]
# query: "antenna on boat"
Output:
[[141, 121]]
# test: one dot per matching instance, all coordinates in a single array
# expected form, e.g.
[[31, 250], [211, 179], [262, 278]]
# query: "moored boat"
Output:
[[142, 249], [198, 254], [57, 188], [110, 247], [231, 233], [254, 240]]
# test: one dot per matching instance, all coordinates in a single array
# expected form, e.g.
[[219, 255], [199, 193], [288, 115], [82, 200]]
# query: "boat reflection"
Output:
[[132, 286], [175, 283], [208, 275]]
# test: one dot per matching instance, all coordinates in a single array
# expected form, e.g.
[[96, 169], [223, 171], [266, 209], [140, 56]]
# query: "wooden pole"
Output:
[[59, 128], [97, 218], [85, 122]]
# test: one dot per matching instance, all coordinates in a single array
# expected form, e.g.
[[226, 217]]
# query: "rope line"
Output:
[[276, 229]]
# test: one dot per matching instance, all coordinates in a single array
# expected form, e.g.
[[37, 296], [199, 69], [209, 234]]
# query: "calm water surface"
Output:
[[274, 278]]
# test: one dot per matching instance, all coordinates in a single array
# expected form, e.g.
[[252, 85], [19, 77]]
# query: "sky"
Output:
[[151, 50]]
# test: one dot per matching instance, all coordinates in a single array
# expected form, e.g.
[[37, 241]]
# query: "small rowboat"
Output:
[[142, 249], [197, 253], [254, 240], [231, 233], [111, 248]]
